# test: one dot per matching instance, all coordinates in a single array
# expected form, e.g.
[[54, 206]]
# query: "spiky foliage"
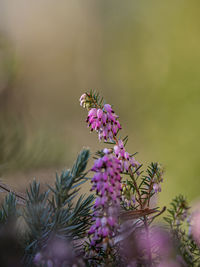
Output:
[[69, 219], [52, 212], [37, 216], [8, 209], [153, 177], [141, 187], [93, 100], [177, 220]]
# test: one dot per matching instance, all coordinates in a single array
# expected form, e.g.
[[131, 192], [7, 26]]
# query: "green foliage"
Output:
[[154, 175], [8, 208], [92, 100], [54, 212], [142, 185], [67, 185], [177, 212], [37, 216], [176, 219], [95, 99]]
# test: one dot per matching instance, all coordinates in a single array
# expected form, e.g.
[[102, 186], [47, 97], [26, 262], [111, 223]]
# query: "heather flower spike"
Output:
[[101, 118], [124, 208], [107, 184]]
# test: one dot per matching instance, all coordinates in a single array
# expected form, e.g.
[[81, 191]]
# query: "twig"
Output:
[[6, 188], [158, 214]]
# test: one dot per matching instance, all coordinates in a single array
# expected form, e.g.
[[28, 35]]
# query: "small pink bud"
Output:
[[120, 144], [126, 155], [99, 113], [104, 118], [103, 221], [116, 150], [105, 231], [92, 112], [126, 165], [108, 108]]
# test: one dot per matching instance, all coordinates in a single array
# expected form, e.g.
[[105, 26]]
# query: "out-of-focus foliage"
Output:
[[178, 220], [145, 55], [8, 209]]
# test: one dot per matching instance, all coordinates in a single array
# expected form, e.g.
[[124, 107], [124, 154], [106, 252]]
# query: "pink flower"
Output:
[[104, 122], [107, 184], [125, 158], [108, 108], [99, 114]]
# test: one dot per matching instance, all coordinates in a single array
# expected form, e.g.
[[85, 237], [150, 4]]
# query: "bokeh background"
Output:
[[142, 56]]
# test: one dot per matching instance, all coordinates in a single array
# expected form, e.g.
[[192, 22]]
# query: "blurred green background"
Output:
[[142, 56]]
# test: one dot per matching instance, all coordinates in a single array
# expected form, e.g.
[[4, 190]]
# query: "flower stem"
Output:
[[148, 242]]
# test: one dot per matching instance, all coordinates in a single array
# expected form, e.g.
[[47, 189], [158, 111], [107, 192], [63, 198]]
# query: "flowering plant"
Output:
[[124, 202], [113, 227]]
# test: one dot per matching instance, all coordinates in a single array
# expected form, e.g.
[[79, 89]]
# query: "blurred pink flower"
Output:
[[169, 263], [195, 227]]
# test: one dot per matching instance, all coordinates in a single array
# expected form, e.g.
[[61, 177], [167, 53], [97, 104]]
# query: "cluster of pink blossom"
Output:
[[107, 184], [104, 122], [58, 252], [125, 158]]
